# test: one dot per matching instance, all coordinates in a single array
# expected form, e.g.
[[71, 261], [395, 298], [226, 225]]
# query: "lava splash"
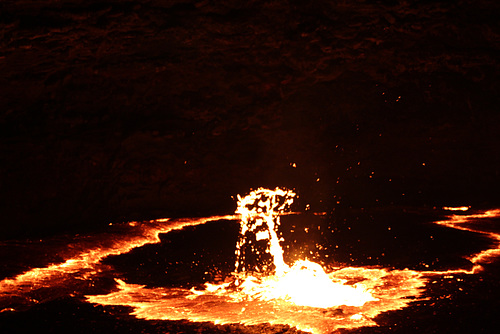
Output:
[[265, 289], [262, 289], [304, 283]]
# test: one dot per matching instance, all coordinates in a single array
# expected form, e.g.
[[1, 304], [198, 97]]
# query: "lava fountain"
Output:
[[305, 283], [263, 288]]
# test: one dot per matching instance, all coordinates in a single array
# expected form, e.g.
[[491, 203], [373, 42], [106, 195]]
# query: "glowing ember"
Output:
[[262, 289], [458, 208]]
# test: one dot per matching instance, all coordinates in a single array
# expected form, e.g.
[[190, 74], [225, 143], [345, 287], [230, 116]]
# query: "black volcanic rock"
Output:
[[120, 110]]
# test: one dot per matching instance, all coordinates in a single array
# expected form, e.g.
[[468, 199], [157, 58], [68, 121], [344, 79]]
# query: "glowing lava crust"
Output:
[[266, 290]]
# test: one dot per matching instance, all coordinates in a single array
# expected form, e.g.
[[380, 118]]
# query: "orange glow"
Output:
[[302, 295], [463, 222], [268, 290], [458, 208], [260, 211], [305, 283], [82, 266], [390, 288]]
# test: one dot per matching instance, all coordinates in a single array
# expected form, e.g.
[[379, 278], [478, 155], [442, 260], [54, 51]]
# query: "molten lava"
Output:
[[262, 289], [305, 283], [302, 295]]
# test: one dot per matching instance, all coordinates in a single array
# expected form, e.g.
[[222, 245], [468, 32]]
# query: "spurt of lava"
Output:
[[268, 290], [262, 288], [304, 283]]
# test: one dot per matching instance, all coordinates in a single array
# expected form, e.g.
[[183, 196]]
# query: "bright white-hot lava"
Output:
[[304, 283], [262, 289], [265, 289]]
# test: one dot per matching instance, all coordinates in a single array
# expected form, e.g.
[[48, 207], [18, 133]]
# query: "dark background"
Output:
[[121, 110], [374, 111]]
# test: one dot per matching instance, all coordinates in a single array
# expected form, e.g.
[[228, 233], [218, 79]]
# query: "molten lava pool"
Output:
[[246, 269]]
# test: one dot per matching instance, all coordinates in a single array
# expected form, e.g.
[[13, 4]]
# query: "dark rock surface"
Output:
[[122, 110]]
